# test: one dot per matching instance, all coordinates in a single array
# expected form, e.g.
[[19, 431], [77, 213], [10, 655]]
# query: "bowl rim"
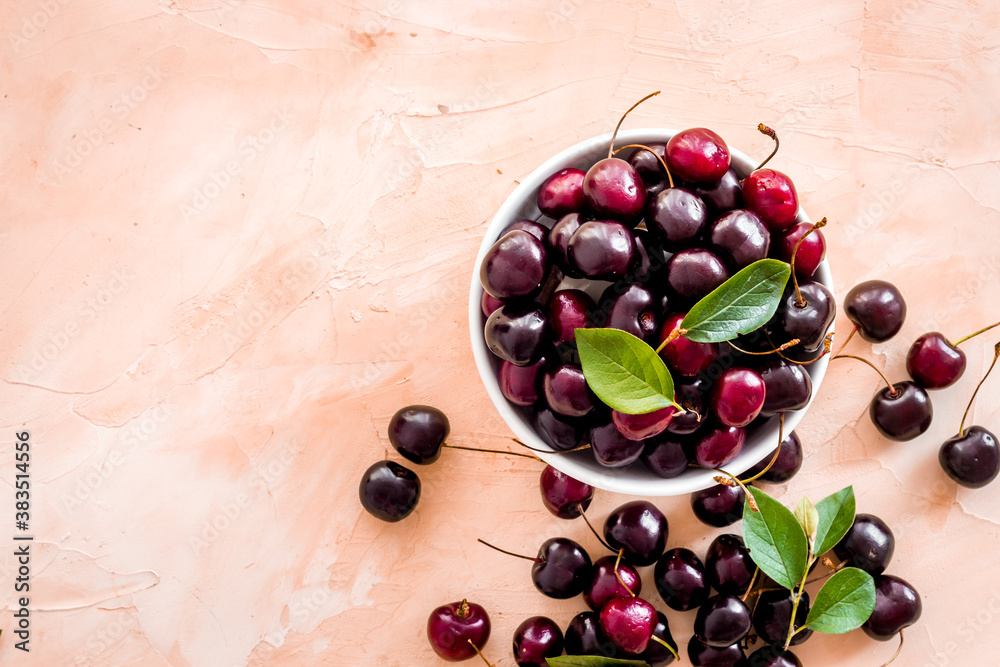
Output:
[[618, 480]]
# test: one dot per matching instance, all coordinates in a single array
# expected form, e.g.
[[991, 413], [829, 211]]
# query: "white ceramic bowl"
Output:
[[635, 479]]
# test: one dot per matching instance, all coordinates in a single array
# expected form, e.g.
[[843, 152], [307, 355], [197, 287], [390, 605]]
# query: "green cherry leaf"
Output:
[[593, 661], [776, 541], [844, 603], [836, 516], [808, 518], [740, 305], [624, 372]]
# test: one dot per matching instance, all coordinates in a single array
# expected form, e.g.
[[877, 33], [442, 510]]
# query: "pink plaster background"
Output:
[[237, 236]]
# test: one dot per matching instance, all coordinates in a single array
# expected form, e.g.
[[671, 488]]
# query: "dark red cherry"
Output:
[[693, 273], [656, 654], [536, 229], [640, 529], [602, 250], [740, 237], [698, 155], [702, 655], [518, 333], [451, 627], [418, 431], [676, 218], [897, 606], [584, 636], [649, 168], [613, 188], [685, 356], [521, 385], [536, 639], [629, 623], [612, 449], [389, 491], [933, 362], [774, 656], [728, 565], [877, 309], [681, 579], [560, 433], [809, 255], [489, 303], [972, 459], [773, 612], [690, 394], [558, 241], [665, 456], [562, 193], [868, 544], [562, 568], [566, 391], [719, 505], [719, 445], [903, 415], [651, 262], [515, 266], [634, 309], [809, 321], [788, 463], [640, 427], [562, 495], [569, 310], [722, 621], [787, 386], [738, 396], [604, 586], [725, 195], [771, 195]]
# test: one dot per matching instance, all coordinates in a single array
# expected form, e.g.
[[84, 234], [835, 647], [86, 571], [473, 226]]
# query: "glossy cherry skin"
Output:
[[728, 565], [868, 544], [569, 310], [602, 250], [649, 168], [973, 459], [559, 235], [738, 396], [634, 309], [810, 254], [725, 195], [451, 627], [665, 456], [719, 445], [515, 266], [785, 467], [656, 654], [809, 322], [722, 621], [612, 449], [536, 229], [560, 433], [719, 505], [489, 303], [676, 217], [535, 639], [389, 491], [521, 385], [650, 262], [562, 193], [604, 586], [933, 362], [702, 655], [897, 606], [613, 188], [584, 636], [773, 613], [771, 195], [685, 356], [774, 656], [787, 386], [698, 155], [640, 427], [902, 416], [629, 623], [877, 309], [740, 237], [681, 579], [692, 396], [563, 495], [566, 391], [640, 529], [418, 431], [562, 570], [517, 333], [693, 273]]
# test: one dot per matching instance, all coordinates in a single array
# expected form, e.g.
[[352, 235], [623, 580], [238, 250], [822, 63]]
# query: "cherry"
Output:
[[685, 356], [698, 155], [613, 188], [489, 303], [773, 613], [602, 250], [561, 569], [738, 396], [665, 456], [584, 636], [640, 529], [681, 579], [536, 639], [566, 391], [809, 254], [774, 656], [517, 333], [788, 463], [640, 427], [634, 310], [515, 266], [536, 229], [689, 394], [740, 237], [562, 495], [676, 217], [521, 384], [722, 621], [902, 411], [389, 491], [897, 606], [868, 544], [877, 310], [728, 564], [605, 586], [647, 165], [559, 235], [456, 630], [693, 273], [806, 315], [972, 459], [569, 310], [720, 445], [656, 654], [562, 193], [418, 431], [719, 505], [702, 655], [771, 194], [787, 386], [629, 623], [560, 433], [933, 362], [612, 449], [650, 263], [725, 195]]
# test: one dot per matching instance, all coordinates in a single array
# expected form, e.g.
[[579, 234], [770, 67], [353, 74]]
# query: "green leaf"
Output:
[[836, 515], [844, 603], [776, 541], [624, 372], [808, 518], [741, 304], [592, 661]]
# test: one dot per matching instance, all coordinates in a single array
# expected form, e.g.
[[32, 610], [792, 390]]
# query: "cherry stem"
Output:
[[795, 608], [579, 508], [898, 649], [892, 390], [726, 479], [996, 355], [833, 571], [753, 580], [671, 337], [827, 345], [777, 451], [792, 343], [764, 129], [491, 451], [611, 148], [848, 339], [549, 451], [670, 178], [666, 646], [621, 552], [800, 302], [463, 608], [509, 553], [478, 652], [973, 335]]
